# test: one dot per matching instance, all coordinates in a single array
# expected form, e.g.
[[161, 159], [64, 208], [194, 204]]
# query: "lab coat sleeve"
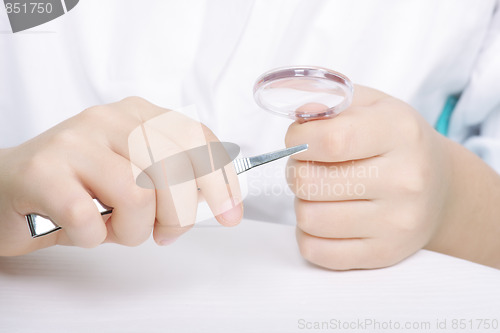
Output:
[[476, 119]]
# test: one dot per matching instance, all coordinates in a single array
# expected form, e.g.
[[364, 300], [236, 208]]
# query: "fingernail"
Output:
[[167, 241], [234, 213]]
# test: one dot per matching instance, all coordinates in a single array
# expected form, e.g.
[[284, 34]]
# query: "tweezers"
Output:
[[41, 226]]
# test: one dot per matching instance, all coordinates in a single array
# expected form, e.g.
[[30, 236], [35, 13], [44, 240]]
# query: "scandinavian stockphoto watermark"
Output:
[[401, 325], [161, 164], [175, 168], [24, 15], [330, 180], [311, 179]]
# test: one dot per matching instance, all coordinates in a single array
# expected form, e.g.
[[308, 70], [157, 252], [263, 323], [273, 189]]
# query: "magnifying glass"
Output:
[[303, 92]]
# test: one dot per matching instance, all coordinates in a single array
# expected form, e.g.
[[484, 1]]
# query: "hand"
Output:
[[98, 154], [378, 183]]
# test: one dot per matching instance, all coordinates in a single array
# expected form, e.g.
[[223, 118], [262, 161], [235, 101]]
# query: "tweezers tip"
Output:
[[301, 148]]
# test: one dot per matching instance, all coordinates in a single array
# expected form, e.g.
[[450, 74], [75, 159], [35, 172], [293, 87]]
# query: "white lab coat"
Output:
[[209, 53]]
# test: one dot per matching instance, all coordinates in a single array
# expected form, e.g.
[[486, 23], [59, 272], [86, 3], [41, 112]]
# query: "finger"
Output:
[[219, 184], [110, 180], [176, 189], [222, 194], [176, 202], [354, 180], [168, 167], [344, 219], [146, 142], [73, 209], [366, 96], [343, 254], [17, 240], [357, 133], [361, 131]]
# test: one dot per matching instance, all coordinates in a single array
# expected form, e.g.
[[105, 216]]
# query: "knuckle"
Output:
[[65, 138], [137, 110], [413, 179], [36, 167], [93, 114], [135, 100], [408, 224], [139, 197], [130, 189], [408, 221], [96, 117], [338, 143], [303, 215], [410, 126], [139, 106], [297, 179], [77, 214]]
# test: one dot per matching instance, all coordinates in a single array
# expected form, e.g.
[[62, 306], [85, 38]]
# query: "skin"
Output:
[[93, 155], [423, 191]]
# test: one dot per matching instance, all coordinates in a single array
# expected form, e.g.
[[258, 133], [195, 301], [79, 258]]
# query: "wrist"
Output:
[[470, 226]]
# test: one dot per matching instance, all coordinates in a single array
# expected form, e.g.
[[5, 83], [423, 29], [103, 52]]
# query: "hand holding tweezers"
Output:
[[40, 226]]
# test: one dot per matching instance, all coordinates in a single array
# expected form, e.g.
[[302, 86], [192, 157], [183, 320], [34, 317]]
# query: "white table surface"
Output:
[[250, 278]]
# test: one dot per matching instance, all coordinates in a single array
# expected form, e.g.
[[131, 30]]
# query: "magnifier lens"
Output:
[[303, 93]]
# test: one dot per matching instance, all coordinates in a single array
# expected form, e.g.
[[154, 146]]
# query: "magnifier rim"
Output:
[[308, 72]]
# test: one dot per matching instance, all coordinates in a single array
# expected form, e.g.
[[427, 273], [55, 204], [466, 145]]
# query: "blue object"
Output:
[[443, 122]]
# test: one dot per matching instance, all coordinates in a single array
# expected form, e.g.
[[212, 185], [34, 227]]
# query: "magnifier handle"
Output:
[[41, 226]]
